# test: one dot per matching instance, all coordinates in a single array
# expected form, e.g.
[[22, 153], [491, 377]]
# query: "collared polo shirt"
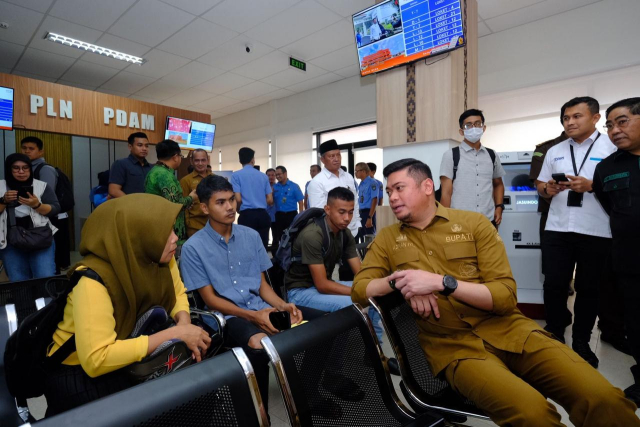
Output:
[[326, 181], [233, 269], [616, 184], [286, 196], [130, 174], [473, 186], [367, 191], [253, 187], [590, 219]]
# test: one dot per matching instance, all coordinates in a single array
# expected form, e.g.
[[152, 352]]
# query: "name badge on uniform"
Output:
[[361, 199], [284, 200]]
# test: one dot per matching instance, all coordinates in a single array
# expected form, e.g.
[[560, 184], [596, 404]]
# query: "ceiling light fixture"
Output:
[[78, 44]]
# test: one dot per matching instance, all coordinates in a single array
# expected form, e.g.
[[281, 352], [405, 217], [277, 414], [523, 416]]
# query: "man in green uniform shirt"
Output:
[[452, 268], [161, 181]]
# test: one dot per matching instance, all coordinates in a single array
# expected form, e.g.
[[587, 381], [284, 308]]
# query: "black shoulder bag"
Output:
[[28, 239]]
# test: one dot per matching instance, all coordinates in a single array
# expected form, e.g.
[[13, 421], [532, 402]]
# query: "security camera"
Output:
[[248, 47]]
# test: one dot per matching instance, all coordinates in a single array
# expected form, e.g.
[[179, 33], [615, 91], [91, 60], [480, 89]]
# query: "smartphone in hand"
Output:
[[280, 320], [559, 177], [22, 191]]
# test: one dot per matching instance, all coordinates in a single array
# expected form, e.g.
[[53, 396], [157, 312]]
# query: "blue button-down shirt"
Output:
[[286, 196], [233, 269], [271, 210], [367, 191], [380, 190], [253, 187]]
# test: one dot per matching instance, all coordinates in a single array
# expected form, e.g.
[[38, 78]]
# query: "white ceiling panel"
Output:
[[216, 114], [244, 105], [197, 38], [233, 53], [88, 74], [539, 10], [195, 7], [150, 22], [22, 23], [483, 30], [169, 103], [314, 83], [95, 14], [216, 103], [34, 76], [280, 93], [115, 43], [113, 92], [240, 15], [190, 97], [10, 52], [38, 5], [144, 99], [159, 90], [75, 84], [348, 8], [158, 64], [339, 59], [322, 42], [294, 23], [350, 71], [492, 8], [55, 25], [192, 74], [246, 93], [264, 67], [292, 76], [224, 83], [44, 63], [128, 82]]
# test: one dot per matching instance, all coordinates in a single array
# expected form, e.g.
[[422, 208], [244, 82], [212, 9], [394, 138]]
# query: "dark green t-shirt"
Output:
[[309, 245]]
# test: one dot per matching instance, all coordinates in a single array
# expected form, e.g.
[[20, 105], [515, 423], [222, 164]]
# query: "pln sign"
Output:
[[146, 122]]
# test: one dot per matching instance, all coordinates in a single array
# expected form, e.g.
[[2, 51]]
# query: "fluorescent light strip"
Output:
[[78, 44]]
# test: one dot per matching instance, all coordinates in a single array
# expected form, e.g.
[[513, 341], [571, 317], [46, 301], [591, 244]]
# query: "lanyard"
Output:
[[573, 159]]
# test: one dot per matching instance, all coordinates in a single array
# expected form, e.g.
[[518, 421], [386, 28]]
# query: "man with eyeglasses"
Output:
[[616, 183], [577, 235], [194, 217], [471, 175], [161, 181]]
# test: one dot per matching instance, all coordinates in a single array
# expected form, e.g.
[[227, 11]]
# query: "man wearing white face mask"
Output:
[[471, 175]]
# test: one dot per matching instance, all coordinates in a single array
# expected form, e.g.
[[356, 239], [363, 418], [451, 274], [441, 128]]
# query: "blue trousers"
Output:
[[25, 265], [310, 297]]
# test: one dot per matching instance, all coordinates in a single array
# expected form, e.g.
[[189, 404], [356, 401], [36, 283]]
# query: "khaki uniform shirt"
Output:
[[467, 246], [195, 218]]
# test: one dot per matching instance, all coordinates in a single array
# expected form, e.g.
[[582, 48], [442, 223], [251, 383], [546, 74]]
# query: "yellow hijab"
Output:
[[122, 241]]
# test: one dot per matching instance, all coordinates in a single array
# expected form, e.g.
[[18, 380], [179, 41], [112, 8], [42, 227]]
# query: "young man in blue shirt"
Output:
[[367, 200], [225, 263], [288, 199]]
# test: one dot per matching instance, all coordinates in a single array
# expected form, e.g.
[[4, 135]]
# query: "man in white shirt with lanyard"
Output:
[[577, 234]]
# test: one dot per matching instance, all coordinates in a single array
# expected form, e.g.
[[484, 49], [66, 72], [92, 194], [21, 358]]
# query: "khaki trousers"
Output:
[[513, 388]]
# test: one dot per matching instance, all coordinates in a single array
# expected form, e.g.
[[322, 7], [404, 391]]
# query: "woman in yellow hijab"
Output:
[[129, 242]]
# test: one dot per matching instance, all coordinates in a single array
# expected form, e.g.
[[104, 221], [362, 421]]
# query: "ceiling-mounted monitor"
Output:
[[190, 134], [6, 108], [396, 32]]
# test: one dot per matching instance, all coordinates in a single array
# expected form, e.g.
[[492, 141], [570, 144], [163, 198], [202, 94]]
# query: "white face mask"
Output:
[[473, 135]]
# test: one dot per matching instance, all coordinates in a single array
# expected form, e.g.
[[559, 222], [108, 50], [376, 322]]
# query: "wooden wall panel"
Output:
[[391, 107], [88, 111]]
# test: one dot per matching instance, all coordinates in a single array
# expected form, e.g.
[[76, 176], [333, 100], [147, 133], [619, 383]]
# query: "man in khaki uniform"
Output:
[[452, 268], [195, 218]]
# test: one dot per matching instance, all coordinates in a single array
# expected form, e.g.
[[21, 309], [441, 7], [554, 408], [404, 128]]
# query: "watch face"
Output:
[[450, 282]]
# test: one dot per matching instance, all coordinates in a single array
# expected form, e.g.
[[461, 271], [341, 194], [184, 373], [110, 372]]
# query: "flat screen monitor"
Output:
[[396, 32], [6, 108], [190, 134]]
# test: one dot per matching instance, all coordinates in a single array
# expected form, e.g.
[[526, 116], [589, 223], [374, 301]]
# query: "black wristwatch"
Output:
[[501, 205], [2, 202], [450, 285]]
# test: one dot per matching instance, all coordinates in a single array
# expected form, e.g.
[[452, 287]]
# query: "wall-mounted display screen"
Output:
[[6, 108], [190, 134], [396, 32]]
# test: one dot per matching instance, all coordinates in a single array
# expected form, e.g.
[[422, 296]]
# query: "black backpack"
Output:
[[25, 357], [64, 189], [456, 161], [284, 256]]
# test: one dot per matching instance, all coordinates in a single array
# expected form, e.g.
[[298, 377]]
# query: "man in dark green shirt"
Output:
[[161, 181]]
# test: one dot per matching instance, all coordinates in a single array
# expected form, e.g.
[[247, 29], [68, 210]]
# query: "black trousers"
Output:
[[611, 320], [283, 221], [561, 254], [259, 220], [363, 231], [63, 243], [630, 286]]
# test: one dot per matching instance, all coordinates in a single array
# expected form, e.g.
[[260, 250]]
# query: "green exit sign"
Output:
[[295, 63]]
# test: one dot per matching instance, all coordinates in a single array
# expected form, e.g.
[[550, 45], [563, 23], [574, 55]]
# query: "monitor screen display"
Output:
[[396, 32], [190, 134], [6, 108]]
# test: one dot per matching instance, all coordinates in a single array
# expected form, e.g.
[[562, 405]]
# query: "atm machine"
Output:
[[520, 225]]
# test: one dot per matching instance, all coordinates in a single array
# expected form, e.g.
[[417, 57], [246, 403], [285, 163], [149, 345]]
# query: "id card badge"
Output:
[[574, 199]]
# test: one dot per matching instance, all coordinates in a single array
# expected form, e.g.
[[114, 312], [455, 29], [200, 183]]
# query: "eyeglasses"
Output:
[[18, 168], [621, 124], [468, 126]]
